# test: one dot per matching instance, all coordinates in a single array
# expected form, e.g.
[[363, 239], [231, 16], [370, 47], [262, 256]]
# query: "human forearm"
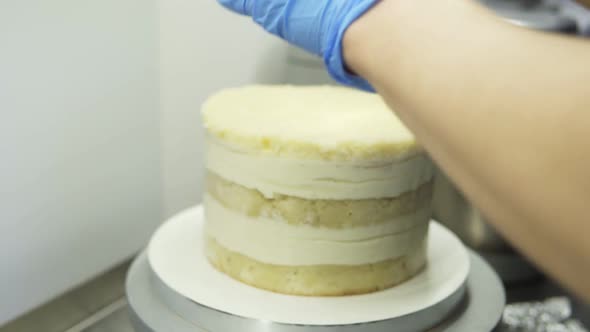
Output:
[[505, 111]]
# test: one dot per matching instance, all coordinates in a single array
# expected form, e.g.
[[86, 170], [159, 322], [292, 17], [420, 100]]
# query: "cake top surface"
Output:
[[315, 122]]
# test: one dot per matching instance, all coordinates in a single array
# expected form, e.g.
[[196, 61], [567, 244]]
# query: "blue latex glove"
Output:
[[314, 25]]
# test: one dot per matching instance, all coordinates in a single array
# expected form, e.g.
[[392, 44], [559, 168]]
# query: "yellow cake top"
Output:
[[312, 122]]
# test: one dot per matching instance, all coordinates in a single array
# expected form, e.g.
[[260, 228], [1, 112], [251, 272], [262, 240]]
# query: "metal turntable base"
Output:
[[479, 310], [471, 303]]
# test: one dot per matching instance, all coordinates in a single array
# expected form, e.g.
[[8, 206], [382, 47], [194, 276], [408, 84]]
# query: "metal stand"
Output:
[[175, 289], [479, 310]]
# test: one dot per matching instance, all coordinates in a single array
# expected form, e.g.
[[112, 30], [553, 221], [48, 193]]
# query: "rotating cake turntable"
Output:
[[172, 287]]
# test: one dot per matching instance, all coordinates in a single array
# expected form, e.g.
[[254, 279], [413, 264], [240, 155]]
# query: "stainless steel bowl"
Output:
[[452, 209], [543, 15]]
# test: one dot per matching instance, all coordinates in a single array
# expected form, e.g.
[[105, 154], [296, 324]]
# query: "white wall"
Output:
[[79, 142], [203, 48], [100, 125]]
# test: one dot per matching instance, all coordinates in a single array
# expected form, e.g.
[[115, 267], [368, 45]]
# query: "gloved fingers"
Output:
[[244, 7]]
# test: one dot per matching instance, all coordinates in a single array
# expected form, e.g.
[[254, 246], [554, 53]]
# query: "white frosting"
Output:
[[317, 179], [276, 242]]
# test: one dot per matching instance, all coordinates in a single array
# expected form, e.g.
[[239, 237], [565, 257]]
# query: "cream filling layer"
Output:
[[276, 242], [317, 179]]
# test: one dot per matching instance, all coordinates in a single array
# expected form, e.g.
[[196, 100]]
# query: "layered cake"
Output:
[[317, 191]]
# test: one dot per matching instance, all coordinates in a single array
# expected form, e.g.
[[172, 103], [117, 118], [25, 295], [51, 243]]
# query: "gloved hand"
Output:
[[314, 25]]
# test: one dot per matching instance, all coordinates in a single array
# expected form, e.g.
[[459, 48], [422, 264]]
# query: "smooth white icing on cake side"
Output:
[[313, 122], [317, 179], [276, 242]]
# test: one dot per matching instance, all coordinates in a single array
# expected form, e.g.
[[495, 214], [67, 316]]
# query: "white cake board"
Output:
[[187, 284]]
